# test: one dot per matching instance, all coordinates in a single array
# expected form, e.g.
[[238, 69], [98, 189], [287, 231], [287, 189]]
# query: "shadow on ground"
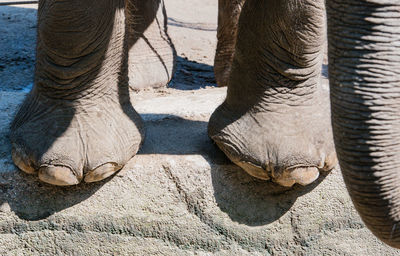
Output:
[[251, 201], [17, 47], [191, 75], [245, 199], [31, 199], [190, 25]]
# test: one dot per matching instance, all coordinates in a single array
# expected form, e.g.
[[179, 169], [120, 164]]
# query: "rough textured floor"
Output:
[[179, 195]]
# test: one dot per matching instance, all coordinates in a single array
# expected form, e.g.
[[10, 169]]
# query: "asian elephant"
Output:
[[78, 124]]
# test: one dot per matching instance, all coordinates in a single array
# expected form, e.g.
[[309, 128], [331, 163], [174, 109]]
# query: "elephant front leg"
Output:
[[228, 17], [275, 121], [77, 123], [150, 49]]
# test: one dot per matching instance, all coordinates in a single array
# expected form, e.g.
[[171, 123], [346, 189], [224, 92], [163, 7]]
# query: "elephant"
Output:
[[78, 124]]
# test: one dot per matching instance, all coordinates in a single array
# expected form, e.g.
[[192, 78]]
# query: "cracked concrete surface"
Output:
[[180, 195]]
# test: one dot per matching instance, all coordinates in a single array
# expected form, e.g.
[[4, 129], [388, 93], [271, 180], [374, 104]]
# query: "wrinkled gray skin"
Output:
[[364, 71], [78, 124], [228, 17]]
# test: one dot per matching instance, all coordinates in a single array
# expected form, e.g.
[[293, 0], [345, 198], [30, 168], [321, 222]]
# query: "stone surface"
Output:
[[180, 195]]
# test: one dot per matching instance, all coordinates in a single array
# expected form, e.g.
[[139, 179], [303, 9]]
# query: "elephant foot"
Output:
[[288, 144], [65, 142], [151, 53]]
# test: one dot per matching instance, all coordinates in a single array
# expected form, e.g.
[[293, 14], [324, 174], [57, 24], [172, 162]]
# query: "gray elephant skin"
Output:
[[78, 124]]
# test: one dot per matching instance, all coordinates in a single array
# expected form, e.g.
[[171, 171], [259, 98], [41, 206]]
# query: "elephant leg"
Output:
[[364, 66], [151, 52], [275, 120], [228, 17], [77, 122]]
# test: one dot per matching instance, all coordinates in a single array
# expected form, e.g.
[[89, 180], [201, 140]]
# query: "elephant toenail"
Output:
[[305, 175], [330, 162], [253, 170], [58, 175], [300, 175], [102, 172], [19, 159]]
